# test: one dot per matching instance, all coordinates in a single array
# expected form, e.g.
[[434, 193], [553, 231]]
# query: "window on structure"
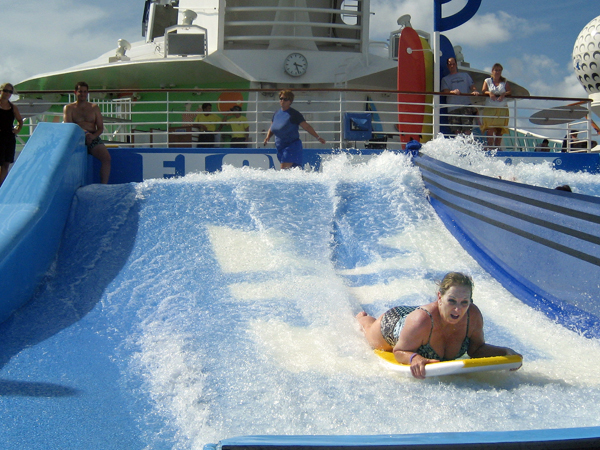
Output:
[[158, 15], [351, 6]]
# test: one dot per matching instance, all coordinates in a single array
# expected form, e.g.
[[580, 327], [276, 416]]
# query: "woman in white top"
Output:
[[495, 113]]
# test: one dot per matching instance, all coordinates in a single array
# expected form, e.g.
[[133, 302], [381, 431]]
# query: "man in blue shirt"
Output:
[[461, 114]]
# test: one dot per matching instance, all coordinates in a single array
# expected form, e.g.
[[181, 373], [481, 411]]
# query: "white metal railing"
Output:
[[245, 24], [159, 118]]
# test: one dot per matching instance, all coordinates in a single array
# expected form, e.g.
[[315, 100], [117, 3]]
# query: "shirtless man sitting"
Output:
[[88, 117]]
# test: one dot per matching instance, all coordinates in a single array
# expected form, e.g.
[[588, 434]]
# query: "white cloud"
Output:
[[533, 67], [485, 30], [544, 77], [571, 87], [387, 13], [44, 36], [481, 31], [10, 69]]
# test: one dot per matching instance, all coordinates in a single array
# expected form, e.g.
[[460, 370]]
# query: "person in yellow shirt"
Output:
[[209, 126], [239, 127]]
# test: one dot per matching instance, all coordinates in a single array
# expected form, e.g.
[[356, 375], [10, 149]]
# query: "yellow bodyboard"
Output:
[[454, 367]]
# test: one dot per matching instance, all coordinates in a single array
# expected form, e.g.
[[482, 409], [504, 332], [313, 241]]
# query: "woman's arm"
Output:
[[478, 347], [484, 88], [487, 350], [269, 134], [507, 91], [414, 334], [310, 130], [19, 119]]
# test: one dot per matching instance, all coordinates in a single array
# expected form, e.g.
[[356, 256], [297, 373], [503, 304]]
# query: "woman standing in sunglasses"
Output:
[[8, 141], [284, 126]]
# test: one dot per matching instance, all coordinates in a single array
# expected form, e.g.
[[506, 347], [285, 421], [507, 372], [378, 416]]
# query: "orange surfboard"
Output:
[[411, 78]]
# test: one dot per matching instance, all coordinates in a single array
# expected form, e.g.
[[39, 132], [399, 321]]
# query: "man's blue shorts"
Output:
[[291, 154]]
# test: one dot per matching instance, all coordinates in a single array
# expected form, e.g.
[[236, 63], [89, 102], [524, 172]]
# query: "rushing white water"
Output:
[[464, 152], [231, 308]]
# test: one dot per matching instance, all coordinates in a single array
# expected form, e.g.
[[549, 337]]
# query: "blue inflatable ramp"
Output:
[[542, 244], [514, 440]]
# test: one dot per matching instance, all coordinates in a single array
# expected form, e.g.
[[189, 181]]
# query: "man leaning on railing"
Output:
[[461, 116]]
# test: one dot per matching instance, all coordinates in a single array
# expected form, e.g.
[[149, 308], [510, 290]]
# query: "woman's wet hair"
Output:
[[455, 279]]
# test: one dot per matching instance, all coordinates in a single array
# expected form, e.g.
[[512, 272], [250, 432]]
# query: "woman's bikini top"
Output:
[[427, 352]]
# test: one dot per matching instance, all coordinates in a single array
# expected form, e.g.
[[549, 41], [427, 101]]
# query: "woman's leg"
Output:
[[4, 172], [490, 138], [498, 139], [372, 329]]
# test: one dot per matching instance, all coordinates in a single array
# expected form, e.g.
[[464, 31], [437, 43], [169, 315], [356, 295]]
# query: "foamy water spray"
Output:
[[250, 328], [466, 153]]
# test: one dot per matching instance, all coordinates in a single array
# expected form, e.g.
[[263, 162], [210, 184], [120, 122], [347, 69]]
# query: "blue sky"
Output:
[[533, 39]]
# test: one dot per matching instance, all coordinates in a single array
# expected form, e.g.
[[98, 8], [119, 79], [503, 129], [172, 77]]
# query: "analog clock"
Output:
[[295, 64]]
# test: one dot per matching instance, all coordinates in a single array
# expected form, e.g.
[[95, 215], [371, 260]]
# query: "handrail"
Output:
[[165, 117], [345, 12], [252, 23], [581, 101], [283, 37]]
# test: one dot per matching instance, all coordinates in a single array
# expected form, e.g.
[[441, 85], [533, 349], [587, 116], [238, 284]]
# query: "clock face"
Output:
[[295, 64]]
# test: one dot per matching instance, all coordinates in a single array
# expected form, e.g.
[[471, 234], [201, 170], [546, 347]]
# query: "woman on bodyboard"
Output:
[[442, 330]]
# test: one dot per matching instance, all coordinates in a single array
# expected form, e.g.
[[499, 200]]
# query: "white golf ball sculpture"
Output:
[[586, 60]]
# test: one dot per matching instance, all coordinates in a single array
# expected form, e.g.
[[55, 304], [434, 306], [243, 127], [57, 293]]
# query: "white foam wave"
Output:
[[263, 340]]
